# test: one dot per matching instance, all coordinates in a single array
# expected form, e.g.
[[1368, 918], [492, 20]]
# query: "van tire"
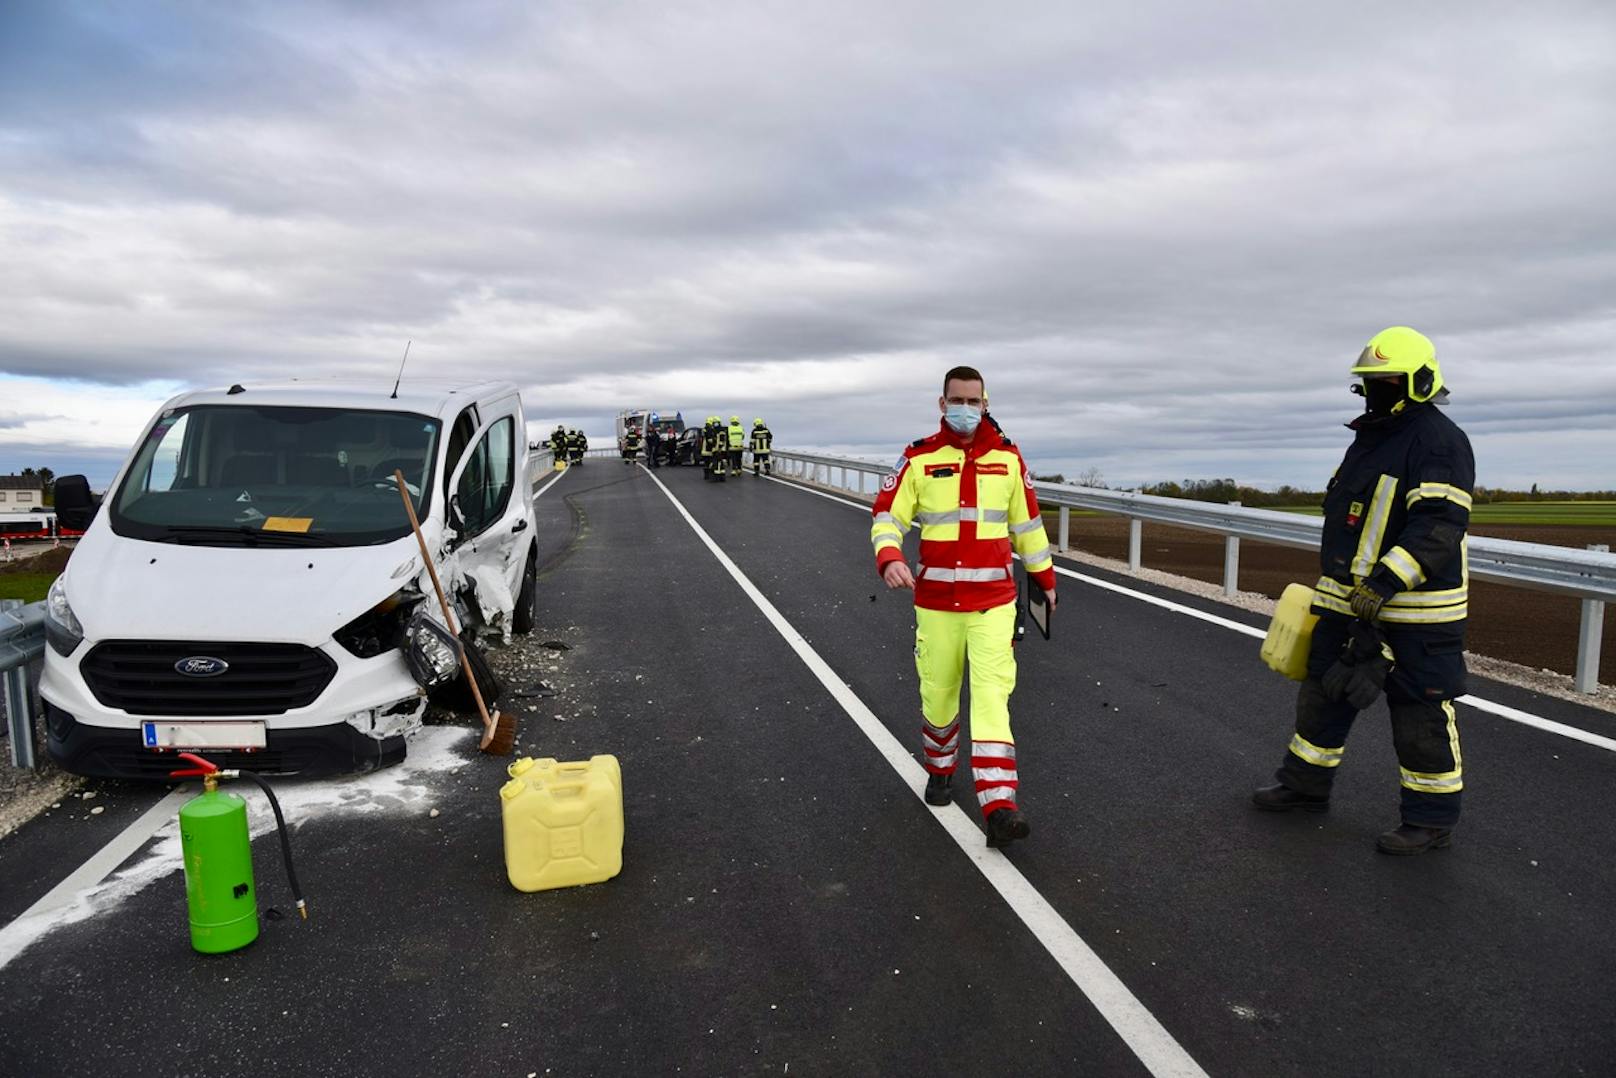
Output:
[[525, 616]]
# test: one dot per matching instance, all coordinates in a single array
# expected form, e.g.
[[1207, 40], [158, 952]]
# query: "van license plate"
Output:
[[202, 735]]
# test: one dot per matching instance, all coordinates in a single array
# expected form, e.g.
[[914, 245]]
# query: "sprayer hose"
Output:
[[286, 841]]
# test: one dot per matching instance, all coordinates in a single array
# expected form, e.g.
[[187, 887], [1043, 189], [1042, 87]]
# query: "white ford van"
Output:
[[244, 588]]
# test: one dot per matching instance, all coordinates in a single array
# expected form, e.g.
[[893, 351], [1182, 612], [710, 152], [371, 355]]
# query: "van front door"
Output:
[[489, 520]]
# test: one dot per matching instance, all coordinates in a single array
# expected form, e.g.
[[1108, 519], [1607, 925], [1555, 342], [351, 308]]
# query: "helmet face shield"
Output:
[[1406, 352]]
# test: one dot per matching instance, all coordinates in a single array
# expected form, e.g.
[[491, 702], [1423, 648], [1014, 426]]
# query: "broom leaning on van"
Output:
[[499, 729]]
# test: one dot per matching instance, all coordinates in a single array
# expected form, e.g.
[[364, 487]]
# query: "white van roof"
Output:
[[421, 396]]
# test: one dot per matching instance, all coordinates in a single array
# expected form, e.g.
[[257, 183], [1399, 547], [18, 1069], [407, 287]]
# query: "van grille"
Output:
[[138, 676]]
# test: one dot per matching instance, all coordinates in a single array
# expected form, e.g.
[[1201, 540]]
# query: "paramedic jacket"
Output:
[[972, 502], [1395, 514]]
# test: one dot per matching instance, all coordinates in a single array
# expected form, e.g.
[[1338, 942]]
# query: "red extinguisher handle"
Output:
[[202, 767]]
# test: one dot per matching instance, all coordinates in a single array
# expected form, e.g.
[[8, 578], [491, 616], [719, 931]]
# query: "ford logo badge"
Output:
[[201, 666]]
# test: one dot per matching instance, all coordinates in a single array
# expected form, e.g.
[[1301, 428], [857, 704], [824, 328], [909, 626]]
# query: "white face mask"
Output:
[[962, 418]]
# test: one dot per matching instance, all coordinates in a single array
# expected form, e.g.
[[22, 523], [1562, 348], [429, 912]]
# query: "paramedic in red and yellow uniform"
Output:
[[969, 491]]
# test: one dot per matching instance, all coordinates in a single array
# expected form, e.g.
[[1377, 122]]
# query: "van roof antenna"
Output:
[[401, 363]]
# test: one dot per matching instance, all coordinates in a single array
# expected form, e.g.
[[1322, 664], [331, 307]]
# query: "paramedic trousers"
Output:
[[1429, 672], [944, 641]]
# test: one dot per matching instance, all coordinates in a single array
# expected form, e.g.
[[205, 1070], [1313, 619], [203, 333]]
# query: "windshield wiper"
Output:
[[256, 536]]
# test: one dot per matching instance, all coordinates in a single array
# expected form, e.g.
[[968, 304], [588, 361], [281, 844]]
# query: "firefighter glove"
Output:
[[1368, 597], [1360, 674]]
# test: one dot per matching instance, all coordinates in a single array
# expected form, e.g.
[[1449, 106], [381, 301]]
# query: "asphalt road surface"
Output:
[[789, 905]]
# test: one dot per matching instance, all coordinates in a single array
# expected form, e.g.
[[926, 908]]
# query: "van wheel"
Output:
[[525, 615]]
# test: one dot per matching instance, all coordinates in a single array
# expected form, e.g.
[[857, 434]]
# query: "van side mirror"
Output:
[[75, 505]]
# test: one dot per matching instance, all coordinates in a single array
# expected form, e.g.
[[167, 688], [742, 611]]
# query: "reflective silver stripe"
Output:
[[1025, 526], [1456, 495], [996, 793], [888, 518], [1316, 754], [987, 516], [1436, 615], [1410, 599], [1329, 585], [1374, 532], [1036, 556], [947, 516], [949, 576], [1403, 564], [1002, 749], [1448, 782], [993, 774]]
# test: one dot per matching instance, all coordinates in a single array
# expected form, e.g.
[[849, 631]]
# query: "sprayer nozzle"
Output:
[[303, 909]]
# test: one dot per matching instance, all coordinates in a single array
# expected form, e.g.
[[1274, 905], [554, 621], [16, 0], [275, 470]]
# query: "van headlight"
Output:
[[430, 651], [62, 629]]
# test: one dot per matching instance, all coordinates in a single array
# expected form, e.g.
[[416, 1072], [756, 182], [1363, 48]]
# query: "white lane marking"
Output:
[[1526, 718], [1146, 1036], [90, 891], [1503, 711], [19, 933], [537, 494]]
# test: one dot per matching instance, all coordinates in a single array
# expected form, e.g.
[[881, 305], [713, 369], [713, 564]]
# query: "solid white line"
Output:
[[540, 492], [1148, 1039], [1526, 718], [1503, 711], [14, 938]]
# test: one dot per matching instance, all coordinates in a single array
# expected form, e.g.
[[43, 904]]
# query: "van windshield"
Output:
[[246, 475]]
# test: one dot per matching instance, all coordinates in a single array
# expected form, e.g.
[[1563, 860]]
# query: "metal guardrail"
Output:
[[1588, 575], [22, 641]]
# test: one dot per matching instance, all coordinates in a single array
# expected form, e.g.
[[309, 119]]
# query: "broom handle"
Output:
[[415, 526]]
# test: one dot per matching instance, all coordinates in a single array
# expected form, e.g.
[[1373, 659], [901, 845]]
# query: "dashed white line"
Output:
[[1146, 1036], [1503, 711]]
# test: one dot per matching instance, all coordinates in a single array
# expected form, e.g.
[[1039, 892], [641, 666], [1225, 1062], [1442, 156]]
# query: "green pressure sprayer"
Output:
[[218, 860]]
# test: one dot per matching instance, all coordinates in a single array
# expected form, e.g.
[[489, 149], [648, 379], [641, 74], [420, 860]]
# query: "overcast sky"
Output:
[[1162, 230]]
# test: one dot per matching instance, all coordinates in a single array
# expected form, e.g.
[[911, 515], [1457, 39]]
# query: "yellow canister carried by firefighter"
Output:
[[563, 822], [1290, 634]]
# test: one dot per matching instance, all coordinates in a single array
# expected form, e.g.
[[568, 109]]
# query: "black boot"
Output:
[[939, 789], [1281, 798], [1005, 826], [1412, 838]]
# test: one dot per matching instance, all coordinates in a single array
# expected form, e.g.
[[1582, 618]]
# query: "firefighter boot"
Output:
[[1411, 838], [1281, 798], [1005, 826], [939, 789]]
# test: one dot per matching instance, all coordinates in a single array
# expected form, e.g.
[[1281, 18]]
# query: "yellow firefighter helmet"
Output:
[[1400, 350]]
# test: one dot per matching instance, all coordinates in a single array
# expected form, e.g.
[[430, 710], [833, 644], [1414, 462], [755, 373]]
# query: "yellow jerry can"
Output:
[[1291, 632], [563, 822]]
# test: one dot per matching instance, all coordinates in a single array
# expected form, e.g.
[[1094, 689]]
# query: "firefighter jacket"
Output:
[[578, 442], [631, 440], [762, 440], [558, 441], [1395, 515], [712, 439], [737, 436], [973, 501]]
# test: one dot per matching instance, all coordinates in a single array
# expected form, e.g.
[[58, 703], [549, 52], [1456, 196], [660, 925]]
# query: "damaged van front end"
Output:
[[251, 590]]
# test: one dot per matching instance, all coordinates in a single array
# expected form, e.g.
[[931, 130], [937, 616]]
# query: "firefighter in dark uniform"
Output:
[[577, 446], [762, 446], [714, 448], [1393, 598], [558, 443], [653, 441], [631, 444]]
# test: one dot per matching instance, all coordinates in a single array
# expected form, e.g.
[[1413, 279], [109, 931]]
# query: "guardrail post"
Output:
[[1136, 543], [19, 709], [843, 484], [1231, 563], [1590, 636], [1066, 527]]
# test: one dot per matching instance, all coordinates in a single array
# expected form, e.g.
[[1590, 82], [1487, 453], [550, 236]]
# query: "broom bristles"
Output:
[[499, 736]]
